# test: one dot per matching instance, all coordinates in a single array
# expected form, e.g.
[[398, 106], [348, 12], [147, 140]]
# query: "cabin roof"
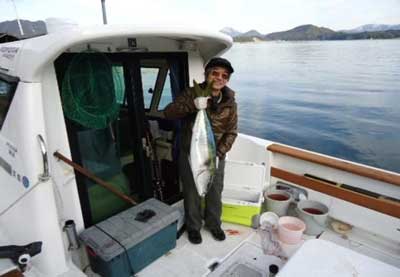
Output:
[[26, 59]]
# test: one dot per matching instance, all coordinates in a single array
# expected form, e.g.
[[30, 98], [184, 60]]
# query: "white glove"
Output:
[[201, 102]]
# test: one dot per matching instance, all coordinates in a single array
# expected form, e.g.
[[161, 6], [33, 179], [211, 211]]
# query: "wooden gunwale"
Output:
[[360, 170], [382, 205]]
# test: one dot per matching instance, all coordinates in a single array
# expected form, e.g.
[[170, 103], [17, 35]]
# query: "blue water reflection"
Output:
[[339, 98]]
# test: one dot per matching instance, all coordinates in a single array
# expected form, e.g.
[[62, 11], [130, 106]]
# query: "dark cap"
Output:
[[220, 62]]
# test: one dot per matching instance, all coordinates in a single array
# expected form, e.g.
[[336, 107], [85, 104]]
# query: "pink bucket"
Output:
[[290, 229]]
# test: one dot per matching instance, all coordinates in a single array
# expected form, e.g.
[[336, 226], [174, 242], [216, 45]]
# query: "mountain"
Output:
[[252, 33], [312, 32], [303, 32], [389, 34], [230, 32], [249, 36], [373, 28], [30, 28]]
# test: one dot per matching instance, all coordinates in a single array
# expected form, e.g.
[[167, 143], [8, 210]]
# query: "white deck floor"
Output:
[[194, 260], [189, 259]]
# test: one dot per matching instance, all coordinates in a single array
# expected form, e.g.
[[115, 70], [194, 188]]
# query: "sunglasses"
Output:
[[218, 74]]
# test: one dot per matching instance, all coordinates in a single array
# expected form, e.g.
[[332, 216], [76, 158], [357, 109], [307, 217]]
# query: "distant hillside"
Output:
[[230, 32], [30, 28], [247, 39], [312, 32], [303, 32], [252, 33], [373, 28], [249, 36], [366, 35]]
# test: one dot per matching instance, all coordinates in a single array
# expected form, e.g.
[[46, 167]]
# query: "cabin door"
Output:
[[103, 110], [163, 77], [117, 150], [139, 171]]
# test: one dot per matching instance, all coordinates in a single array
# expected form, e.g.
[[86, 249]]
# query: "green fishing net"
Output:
[[91, 90]]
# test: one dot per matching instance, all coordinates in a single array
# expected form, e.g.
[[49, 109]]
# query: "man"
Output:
[[221, 109]]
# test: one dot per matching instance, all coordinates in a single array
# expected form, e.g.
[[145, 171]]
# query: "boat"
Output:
[[50, 163]]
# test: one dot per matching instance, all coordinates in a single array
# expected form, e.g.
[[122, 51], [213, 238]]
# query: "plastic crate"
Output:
[[122, 246]]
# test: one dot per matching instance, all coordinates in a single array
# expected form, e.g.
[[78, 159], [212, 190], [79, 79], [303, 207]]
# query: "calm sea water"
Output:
[[340, 98]]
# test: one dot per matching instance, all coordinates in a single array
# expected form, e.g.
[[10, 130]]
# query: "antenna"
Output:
[[103, 7], [18, 21]]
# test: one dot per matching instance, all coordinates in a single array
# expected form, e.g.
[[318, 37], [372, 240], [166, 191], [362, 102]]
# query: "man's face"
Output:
[[219, 76]]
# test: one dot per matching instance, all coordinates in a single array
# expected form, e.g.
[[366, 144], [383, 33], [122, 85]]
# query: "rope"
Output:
[[125, 250]]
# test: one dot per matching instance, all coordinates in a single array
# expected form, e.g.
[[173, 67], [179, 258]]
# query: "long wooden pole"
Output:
[[99, 181]]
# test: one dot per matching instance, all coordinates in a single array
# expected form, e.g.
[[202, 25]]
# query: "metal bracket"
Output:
[[297, 193], [45, 175]]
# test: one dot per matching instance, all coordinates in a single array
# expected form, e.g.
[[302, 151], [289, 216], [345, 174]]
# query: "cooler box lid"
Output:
[[105, 237], [243, 181]]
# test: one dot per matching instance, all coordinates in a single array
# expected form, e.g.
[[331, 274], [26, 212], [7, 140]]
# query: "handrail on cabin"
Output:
[[360, 170]]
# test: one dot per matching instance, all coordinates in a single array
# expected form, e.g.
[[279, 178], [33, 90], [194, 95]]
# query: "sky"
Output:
[[265, 16]]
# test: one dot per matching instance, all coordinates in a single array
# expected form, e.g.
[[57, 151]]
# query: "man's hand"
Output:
[[201, 102]]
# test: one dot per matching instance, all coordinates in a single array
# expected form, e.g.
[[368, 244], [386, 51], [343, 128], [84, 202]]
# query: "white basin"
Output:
[[319, 258]]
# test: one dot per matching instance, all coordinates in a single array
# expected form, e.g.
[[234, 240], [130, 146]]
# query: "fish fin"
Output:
[[197, 89], [201, 172], [208, 88], [199, 92], [198, 176]]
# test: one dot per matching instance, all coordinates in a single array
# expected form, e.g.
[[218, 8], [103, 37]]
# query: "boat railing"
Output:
[[358, 196]]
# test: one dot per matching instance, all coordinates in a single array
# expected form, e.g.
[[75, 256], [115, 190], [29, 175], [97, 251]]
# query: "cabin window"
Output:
[[160, 82], [166, 94], [149, 78], [6, 93]]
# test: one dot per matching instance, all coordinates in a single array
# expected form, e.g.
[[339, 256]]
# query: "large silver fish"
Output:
[[202, 148]]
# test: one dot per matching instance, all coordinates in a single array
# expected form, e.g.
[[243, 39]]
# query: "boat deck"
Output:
[[244, 244], [189, 259], [243, 247]]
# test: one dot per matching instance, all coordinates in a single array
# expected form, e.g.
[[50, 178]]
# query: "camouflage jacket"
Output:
[[223, 119]]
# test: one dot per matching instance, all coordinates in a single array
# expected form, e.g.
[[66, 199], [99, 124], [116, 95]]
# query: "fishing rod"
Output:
[[93, 177], [158, 182], [104, 11], [18, 20]]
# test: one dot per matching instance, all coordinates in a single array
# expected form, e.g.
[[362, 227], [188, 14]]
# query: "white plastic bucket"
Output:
[[314, 214], [290, 229], [277, 201]]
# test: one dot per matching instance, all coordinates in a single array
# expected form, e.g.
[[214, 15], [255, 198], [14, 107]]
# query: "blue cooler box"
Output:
[[122, 246]]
